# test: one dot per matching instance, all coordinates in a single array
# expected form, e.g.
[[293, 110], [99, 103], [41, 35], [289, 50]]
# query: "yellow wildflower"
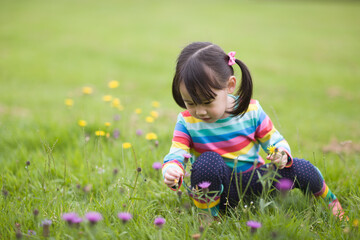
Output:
[[82, 123], [100, 133], [154, 114], [120, 107], [113, 84], [107, 98], [69, 102], [126, 145], [155, 104], [87, 90], [356, 222], [138, 110], [151, 136], [271, 149], [115, 102], [107, 124], [149, 119]]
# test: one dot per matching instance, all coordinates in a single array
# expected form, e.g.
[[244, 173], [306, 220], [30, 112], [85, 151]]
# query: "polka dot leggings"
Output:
[[211, 167]]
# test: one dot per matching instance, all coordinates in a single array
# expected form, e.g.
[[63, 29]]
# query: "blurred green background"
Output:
[[303, 55], [304, 58]]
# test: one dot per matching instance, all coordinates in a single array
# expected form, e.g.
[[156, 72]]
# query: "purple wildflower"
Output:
[[159, 222], [77, 220], [46, 222], [125, 216], [204, 184], [139, 132], [36, 212], [117, 117], [284, 184], [69, 217], [46, 227], [116, 133], [31, 232], [157, 165], [93, 217], [253, 225], [186, 157]]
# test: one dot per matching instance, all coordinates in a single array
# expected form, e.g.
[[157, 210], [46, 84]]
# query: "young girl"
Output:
[[224, 131]]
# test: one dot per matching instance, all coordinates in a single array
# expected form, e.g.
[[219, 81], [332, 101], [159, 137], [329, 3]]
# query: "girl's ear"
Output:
[[231, 85]]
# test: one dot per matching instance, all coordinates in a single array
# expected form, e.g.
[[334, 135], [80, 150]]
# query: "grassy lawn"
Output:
[[303, 56]]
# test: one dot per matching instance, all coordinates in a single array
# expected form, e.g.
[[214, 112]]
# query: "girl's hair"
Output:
[[203, 66]]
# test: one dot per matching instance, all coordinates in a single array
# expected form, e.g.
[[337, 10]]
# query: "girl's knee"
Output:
[[208, 167]]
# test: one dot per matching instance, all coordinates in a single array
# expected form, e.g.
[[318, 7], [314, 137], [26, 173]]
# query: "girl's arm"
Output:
[[268, 136], [173, 168]]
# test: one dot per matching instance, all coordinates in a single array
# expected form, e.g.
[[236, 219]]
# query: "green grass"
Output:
[[304, 59]]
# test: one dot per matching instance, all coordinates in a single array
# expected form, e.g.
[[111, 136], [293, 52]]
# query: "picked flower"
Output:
[[253, 226], [113, 84], [126, 145], [69, 102], [159, 222], [157, 165], [125, 217], [151, 136], [87, 90], [82, 123], [271, 149], [100, 133], [93, 217]]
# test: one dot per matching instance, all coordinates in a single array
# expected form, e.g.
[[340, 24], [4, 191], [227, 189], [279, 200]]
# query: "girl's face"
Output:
[[212, 110]]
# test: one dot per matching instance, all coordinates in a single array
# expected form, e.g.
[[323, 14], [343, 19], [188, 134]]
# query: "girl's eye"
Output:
[[207, 103], [190, 104]]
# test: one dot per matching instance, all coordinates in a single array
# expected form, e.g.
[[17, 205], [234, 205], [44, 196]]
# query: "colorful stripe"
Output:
[[326, 194], [199, 203], [232, 137]]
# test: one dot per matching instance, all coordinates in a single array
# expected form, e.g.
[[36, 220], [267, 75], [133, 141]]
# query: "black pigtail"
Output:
[[244, 92]]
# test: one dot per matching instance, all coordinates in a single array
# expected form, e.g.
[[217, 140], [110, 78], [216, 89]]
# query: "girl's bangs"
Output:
[[199, 81]]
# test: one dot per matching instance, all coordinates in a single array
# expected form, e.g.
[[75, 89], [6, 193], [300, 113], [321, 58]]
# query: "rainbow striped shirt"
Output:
[[232, 137]]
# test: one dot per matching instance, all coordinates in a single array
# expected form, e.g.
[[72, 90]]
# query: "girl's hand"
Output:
[[172, 176], [280, 159]]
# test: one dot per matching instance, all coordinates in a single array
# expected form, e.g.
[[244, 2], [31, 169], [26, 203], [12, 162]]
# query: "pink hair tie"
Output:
[[231, 58]]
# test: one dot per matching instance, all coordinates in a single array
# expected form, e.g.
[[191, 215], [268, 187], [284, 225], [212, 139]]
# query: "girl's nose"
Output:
[[200, 111]]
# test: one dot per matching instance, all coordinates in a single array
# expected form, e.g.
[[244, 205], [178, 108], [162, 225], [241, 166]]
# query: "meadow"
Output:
[[86, 110]]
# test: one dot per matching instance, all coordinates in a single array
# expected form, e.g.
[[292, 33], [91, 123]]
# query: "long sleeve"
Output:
[[267, 135], [181, 144]]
